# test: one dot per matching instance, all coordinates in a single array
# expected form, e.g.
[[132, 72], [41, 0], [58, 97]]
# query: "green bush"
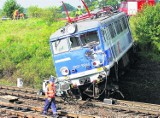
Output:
[[49, 15], [25, 51], [34, 11], [146, 28]]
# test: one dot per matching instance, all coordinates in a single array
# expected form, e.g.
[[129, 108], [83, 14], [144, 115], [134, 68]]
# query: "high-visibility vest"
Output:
[[51, 90], [16, 13], [79, 12]]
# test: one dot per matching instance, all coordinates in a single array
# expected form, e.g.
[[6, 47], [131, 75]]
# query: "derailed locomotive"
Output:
[[89, 53]]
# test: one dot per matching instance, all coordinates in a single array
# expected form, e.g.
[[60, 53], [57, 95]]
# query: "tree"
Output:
[[90, 3], [10, 6], [48, 14], [146, 28], [34, 11], [68, 6], [111, 2]]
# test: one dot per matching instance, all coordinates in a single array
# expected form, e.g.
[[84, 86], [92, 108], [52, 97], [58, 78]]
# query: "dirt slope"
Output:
[[142, 82]]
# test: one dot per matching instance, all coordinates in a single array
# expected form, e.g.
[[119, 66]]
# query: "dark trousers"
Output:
[[50, 103]]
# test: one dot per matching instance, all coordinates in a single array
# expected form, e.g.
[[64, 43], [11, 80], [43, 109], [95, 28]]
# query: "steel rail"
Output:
[[34, 112], [28, 114], [21, 94], [125, 106], [129, 109], [19, 89], [140, 104]]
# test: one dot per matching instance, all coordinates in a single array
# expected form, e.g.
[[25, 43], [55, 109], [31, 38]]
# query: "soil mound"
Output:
[[142, 82]]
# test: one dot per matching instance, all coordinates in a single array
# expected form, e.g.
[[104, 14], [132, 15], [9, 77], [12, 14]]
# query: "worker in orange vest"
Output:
[[21, 15], [15, 15], [50, 97]]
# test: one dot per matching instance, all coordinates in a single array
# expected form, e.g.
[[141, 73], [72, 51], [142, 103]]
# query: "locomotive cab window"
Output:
[[118, 26], [89, 38], [112, 30], [74, 42], [60, 46], [124, 23]]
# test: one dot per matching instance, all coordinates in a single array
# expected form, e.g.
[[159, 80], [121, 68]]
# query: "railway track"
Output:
[[30, 105]]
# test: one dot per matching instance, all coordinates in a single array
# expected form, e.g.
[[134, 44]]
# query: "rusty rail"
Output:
[[123, 107], [34, 112]]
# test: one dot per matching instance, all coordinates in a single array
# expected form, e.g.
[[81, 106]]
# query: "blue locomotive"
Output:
[[88, 53]]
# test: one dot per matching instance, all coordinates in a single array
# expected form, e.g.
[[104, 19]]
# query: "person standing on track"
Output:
[[50, 97]]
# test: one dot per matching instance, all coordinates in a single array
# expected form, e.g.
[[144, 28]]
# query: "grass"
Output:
[[25, 51]]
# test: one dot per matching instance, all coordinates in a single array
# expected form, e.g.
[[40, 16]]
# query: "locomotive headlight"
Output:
[[71, 28], [64, 71], [96, 63]]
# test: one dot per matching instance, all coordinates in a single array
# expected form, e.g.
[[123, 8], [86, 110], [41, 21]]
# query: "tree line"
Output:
[[53, 12]]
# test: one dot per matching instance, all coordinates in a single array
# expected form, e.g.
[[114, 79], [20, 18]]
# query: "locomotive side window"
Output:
[[89, 37], [104, 31], [106, 36], [124, 23], [60, 46], [118, 26], [74, 42], [112, 30]]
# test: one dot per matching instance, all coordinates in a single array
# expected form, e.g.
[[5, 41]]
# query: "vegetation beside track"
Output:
[[25, 51], [145, 28], [141, 82]]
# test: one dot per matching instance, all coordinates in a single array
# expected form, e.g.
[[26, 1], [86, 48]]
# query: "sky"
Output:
[[43, 3]]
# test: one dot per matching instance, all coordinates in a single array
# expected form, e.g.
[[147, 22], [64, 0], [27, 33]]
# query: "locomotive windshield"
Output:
[[60, 46], [75, 41], [89, 38]]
